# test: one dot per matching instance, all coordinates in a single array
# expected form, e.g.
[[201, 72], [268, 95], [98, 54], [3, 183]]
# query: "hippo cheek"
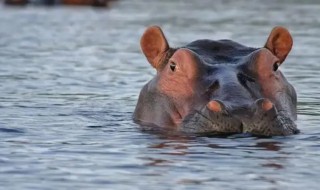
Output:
[[180, 81], [272, 83], [262, 68], [266, 66]]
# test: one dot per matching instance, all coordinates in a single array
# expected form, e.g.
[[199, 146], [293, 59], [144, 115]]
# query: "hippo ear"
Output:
[[279, 42], [154, 45]]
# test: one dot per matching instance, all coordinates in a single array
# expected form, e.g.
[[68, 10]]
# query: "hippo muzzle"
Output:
[[261, 119], [219, 87]]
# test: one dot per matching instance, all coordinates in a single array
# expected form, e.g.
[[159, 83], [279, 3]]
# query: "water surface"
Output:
[[70, 78]]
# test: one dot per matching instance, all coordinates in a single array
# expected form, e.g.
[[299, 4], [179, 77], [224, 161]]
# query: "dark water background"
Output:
[[69, 81]]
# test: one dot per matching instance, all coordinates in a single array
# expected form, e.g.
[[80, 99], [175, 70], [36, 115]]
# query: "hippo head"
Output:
[[218, 87]]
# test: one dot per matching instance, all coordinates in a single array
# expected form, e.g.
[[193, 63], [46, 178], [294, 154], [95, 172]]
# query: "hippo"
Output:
[[218, 87]]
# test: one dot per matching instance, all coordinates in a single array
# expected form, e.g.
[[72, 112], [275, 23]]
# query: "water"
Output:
[[70, 78]]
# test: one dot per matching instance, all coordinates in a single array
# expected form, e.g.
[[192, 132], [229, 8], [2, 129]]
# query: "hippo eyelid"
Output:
[[276, 66], [173, 66]]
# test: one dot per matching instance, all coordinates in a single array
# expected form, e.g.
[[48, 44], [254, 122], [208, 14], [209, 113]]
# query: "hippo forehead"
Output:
[[220, 51]]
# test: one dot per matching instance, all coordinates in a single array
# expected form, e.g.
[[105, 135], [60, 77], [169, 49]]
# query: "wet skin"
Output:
[[218, 87]]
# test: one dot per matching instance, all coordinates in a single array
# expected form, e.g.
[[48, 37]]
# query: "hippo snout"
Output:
[[261, 118], [261, 106]]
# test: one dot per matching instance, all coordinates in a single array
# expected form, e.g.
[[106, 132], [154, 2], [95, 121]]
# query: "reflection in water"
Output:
[[270, 145], [169, 145], [267, 145], [173, 145], [155, 161], [236, 153], [273, 165]]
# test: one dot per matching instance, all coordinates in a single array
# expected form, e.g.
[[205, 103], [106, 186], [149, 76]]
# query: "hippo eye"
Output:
[[173, 66], [276, 66]]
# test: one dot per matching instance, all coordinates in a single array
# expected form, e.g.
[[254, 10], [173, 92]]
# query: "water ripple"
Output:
[[70, 78]]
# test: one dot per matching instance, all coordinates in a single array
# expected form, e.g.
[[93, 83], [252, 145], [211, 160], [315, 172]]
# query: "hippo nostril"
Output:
[[214, 86], [264, 104], [267, 105], [215, 106]]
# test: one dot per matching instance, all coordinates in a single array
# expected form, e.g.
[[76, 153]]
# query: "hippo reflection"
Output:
[[218, 87]]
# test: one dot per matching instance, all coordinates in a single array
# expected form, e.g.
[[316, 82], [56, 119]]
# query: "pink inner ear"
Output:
[[154, 45], [187, 61], [279, 42]]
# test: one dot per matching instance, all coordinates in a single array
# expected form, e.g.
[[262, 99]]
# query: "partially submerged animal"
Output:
[[218, 87]]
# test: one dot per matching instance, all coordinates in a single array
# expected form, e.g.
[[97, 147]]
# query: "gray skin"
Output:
[[248, 92]]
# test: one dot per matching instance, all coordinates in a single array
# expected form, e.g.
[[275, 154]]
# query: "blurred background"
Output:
[[71, 72]]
